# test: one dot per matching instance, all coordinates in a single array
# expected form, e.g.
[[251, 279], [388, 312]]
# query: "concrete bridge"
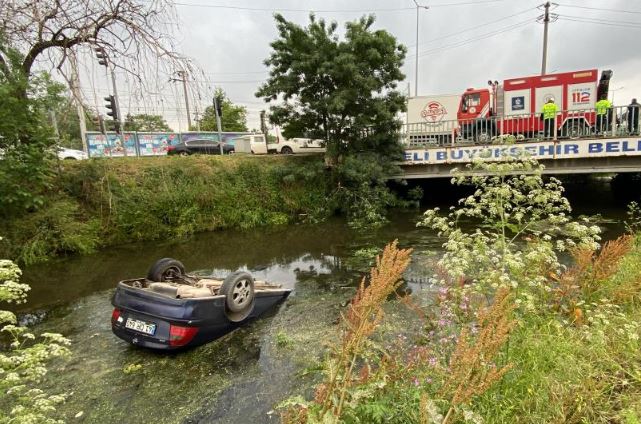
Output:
[[584, 156]]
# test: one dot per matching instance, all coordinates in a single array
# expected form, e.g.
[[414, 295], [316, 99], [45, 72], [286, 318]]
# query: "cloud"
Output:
[[460, 46]]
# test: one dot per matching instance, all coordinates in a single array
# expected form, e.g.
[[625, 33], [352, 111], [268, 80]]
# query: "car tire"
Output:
[[286, 150], [165, 269], [238, 289], [183, 153]]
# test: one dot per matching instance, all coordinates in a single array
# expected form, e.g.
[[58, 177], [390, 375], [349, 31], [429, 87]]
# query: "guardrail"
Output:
[[619, 121]]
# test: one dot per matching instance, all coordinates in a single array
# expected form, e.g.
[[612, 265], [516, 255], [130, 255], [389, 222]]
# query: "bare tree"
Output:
[[136, 34]]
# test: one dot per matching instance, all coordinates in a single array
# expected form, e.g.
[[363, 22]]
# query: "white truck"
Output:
[[256, 144], [432, 119]]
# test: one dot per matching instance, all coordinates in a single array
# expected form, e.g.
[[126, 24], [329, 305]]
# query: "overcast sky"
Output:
[[462, 43]]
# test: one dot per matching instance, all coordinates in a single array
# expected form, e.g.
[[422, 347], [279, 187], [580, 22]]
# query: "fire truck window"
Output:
[[471, 100]]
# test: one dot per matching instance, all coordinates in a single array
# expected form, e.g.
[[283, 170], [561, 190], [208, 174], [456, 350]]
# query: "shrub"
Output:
[[24, 363]]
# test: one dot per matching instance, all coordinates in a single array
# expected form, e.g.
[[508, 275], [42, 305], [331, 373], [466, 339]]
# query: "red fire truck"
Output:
[[514, 107]]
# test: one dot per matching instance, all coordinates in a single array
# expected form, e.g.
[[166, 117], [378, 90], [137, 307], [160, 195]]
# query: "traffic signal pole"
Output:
[[217, 109], [117, 103]]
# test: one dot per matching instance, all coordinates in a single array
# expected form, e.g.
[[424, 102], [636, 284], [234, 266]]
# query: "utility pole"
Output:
[[546, 18], [75, 89], [218, 110], [418, 7], [183, 78], [263, 129]]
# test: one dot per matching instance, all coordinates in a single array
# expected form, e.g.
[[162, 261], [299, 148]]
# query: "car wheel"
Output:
[[184, 153], [238, 289], [166, 269], [286, 150], [231, 152]]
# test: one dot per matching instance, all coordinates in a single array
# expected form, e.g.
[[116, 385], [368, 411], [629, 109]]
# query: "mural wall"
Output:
[[146, 143]]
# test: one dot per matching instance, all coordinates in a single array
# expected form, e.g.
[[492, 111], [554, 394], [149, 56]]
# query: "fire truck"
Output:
[[514, 106]]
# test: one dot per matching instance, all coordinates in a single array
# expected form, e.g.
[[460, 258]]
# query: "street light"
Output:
[[613, 90], [418, 7]]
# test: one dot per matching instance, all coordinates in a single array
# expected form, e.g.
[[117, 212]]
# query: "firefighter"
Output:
[[633, 117], [603, 114], [548, 113]]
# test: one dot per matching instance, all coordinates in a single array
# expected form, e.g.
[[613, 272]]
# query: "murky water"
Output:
[[241, 377]]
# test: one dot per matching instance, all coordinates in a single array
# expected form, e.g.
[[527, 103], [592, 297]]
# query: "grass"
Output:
[[98, 203]]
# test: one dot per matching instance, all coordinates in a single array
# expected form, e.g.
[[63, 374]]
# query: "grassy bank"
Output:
[[98, 203], [509, 334]]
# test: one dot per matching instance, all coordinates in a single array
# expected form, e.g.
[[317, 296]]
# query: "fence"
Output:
[[146, 143], [620, 121]]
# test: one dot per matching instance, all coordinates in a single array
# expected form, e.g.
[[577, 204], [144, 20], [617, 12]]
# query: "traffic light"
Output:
[[102, 56], [112, 111], [111, 107]]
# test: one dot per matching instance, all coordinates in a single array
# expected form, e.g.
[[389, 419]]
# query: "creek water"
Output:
[[242, 376]]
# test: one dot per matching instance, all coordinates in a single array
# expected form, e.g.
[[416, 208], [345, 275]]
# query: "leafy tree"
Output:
[[25, 137], [145, 122], [234, 117], [343, 91], [69, 126]]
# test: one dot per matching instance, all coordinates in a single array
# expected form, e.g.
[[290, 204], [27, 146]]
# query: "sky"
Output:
[[462, 43]]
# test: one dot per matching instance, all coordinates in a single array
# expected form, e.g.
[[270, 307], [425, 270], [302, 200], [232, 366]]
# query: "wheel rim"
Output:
[[241, 292], [171, 273]]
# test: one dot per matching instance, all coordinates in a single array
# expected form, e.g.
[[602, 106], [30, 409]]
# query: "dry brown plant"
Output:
[[472, 366], [589, 271], [363, 316]]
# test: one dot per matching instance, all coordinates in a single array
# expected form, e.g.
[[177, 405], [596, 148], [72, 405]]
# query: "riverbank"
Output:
[[99, 203]]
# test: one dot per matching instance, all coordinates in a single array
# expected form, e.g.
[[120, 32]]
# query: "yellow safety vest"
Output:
[[549, 110], [602, 106]]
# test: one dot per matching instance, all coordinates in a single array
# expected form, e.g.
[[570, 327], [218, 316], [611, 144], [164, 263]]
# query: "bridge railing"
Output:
[[619, 121]]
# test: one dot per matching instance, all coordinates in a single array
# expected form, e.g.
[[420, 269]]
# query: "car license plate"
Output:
[[141, 326]]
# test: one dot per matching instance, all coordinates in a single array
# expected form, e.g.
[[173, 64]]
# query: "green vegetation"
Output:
[[234, 117], [511, 336], [98, 203], [343, 91], [24, 363], [145, 122]]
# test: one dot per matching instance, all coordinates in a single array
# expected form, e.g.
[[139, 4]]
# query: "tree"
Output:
[[234, 117], [343, 91], [145, 122], [134, 34], [68, 125]]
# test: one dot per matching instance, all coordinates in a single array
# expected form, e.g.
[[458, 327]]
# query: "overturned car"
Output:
[[170, 309]]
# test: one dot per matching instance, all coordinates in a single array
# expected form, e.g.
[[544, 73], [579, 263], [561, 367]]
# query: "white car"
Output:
[[65, 153], [298, 145]]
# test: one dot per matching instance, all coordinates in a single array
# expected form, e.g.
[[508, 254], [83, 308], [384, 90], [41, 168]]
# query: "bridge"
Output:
[[433, 151], [584, 156]]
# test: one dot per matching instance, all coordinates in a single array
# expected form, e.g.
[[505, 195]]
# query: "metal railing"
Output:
[[619, 121]]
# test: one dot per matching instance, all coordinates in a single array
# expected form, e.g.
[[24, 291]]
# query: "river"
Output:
[[240, 377]]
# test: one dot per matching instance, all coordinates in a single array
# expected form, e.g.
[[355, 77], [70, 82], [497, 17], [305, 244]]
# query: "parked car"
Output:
[[200, 146], [71, 154], [172, 310], [283, 146], [298, 145]]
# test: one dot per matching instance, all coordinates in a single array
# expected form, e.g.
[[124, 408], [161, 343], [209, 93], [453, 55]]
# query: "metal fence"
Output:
[[619, 121]]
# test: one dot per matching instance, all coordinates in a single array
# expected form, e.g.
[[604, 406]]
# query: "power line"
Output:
[[461, 43], [474, 27], [603, 20], [272, 10], [635, 12], [599, 22]]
